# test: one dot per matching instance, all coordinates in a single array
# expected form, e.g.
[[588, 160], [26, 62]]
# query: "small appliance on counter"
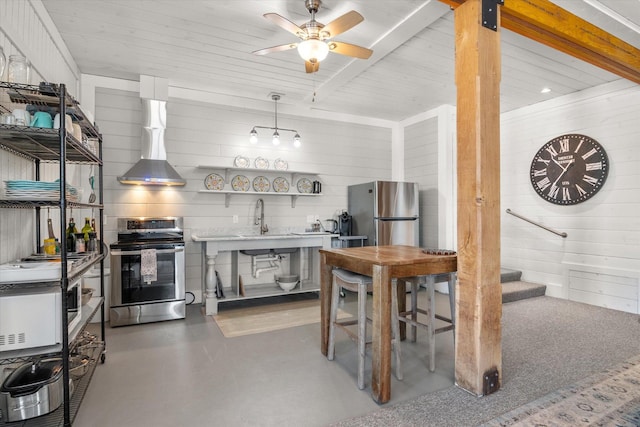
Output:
[[344, 224]]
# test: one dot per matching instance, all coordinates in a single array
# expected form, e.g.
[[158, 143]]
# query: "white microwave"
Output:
[[32, 317]]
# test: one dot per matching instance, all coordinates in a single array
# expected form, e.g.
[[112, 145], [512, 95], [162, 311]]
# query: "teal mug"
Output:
[[42, 119]]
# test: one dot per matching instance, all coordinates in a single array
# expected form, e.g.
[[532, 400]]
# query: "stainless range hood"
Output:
[[153, 168]]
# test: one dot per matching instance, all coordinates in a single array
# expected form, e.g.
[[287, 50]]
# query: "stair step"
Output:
[[517, 290], [508, 275]]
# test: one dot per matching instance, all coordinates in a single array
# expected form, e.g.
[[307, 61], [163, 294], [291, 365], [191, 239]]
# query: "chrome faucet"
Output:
[[260, 218]]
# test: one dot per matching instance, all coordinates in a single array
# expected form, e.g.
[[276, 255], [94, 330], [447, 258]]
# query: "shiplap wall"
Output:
[[22, 31], [603, 232], [421, 166], [603, 243], [208, 134]]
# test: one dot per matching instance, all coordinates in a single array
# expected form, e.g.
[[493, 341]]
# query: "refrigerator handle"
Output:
[[408, 218]]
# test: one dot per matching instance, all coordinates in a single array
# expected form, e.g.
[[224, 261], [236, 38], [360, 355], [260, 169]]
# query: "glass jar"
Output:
[[19, 69], [3, 62]]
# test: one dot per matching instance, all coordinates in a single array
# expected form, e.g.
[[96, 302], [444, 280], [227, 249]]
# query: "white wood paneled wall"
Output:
[[421, 166], [603, 232], [201, 133], [26, 30]]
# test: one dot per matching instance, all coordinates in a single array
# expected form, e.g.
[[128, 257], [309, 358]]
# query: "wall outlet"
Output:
[[310, 219], [235, 219]]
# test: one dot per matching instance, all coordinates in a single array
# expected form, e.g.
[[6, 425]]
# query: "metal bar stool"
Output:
[[361, 284], [410, 316]]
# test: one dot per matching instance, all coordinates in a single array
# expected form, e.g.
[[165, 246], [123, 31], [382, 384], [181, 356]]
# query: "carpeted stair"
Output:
[[514, 289]]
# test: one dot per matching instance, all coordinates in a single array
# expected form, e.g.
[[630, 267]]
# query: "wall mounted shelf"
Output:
[[229, 171]]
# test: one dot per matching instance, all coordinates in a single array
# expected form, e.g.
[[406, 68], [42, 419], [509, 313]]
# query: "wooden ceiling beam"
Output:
[[548, 23]]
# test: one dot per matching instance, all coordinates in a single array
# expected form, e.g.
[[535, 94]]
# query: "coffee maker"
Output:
[[344, 224]]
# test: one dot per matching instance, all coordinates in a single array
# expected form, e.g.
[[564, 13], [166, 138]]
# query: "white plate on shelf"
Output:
[[280, 165], [261, 184], [240, 183], [213, 181], [261, 163], [304, 185], [241, 162], [280, 185]]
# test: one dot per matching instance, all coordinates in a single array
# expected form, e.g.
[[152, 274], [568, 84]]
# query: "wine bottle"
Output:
[[86, 229], [71, 236]]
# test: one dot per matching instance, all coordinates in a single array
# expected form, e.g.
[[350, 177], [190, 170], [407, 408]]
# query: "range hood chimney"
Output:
[[153, 168]]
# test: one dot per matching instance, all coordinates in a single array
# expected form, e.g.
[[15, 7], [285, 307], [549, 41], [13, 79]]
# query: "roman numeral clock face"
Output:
[[569, 169]]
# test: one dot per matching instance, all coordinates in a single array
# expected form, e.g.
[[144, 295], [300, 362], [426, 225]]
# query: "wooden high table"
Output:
[[382, 263]]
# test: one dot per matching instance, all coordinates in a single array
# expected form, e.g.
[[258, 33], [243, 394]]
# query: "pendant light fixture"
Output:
[[275, 138]]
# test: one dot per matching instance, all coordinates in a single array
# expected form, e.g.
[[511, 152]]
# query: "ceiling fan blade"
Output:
[[350, 50], [311, 67], [342, 24], [275, 49], [284, 23]]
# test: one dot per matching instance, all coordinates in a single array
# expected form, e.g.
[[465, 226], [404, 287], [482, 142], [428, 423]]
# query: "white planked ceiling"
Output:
[[207, 45]]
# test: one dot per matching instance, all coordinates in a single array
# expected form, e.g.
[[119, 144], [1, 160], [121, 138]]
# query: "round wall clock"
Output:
[[569, 169]]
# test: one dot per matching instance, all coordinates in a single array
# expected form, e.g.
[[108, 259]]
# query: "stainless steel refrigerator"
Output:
[[387, 212]]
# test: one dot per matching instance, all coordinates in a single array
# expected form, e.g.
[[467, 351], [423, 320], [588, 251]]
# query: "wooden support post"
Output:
[[478, 294]]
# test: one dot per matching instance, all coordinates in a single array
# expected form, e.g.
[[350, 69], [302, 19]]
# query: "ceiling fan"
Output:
[[316, 38]]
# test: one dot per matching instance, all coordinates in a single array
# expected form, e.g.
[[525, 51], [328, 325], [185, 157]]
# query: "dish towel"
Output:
[[149, 265]]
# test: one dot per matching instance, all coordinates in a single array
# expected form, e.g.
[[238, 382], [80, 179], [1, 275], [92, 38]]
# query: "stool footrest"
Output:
[[444, 329], [347, 331], [445, 319], [419, 310], [412, 322], [347, 322]]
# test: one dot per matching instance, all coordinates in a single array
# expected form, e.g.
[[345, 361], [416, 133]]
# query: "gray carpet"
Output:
[[514, 289], [517, 290], [547, 343]]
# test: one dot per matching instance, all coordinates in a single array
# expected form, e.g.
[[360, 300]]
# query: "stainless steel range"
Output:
[[147, 271]]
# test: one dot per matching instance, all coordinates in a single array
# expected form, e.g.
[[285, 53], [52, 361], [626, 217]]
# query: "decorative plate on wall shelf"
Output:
[[240, 183], [304, 185], [261, 184], [280, 165], [213, 181], [261, 163], [280, 185], [242, 162]]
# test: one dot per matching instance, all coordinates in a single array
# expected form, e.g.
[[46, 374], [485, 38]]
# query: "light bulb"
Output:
[[313, 50], [296, 141], [253, 136], [276, 138]]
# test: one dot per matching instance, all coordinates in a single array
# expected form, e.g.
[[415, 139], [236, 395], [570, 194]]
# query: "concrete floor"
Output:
[[185, 373]]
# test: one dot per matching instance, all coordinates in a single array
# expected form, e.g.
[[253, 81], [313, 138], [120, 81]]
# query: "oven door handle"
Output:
[[119, 252]]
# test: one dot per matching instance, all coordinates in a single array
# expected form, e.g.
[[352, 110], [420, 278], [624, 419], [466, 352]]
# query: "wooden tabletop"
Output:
[[405, 261]]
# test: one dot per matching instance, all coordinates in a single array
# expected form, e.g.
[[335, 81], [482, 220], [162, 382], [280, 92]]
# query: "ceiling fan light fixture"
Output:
[[253, 136], [296, 140], [313, 50], [276, 138]]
